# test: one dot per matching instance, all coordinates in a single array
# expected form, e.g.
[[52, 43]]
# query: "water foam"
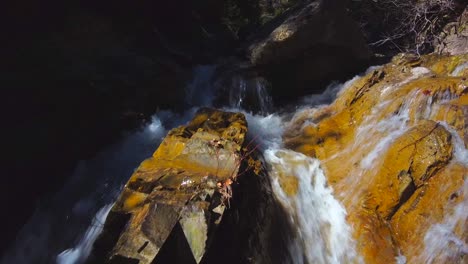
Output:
[[441, 242], [320, 220], [81, 251]]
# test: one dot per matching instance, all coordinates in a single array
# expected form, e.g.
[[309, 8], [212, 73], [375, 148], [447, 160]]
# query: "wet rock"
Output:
[[179, 194], [428, 205], [390, 145], [304, 28], [409, 163]]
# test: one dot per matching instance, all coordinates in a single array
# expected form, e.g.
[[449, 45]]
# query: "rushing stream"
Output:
[[64, 229], [323, 234]]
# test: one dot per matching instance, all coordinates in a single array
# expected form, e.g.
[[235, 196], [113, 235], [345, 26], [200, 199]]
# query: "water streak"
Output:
[[460, 68], [81, 251], [323, 235], [441, 242], [62, 220]]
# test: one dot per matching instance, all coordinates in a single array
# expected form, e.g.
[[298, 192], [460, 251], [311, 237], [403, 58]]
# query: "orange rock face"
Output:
[[393, 146]]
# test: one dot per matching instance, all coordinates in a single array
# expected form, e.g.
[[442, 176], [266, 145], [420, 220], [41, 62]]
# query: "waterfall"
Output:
[[323, 236], [392, 115], [250, 94], [299, 183], [65, 232]]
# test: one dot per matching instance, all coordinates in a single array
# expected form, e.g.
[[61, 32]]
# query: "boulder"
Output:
[[454, 37], [176, 198], [309, 45]]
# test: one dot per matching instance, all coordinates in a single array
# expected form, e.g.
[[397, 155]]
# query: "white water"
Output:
[[82, 250], [442, 243], [459, 69], [249, 94], [319, 220], [323, 235]]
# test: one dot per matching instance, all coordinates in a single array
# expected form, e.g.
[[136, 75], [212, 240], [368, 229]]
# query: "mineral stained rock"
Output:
[[175, 199], [393, 146]]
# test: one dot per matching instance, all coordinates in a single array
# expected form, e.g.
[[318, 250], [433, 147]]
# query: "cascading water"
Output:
[[319, 219], [322, 233], [401, 106], [250, 93], [83, 249], [441, 241], [323, 236]]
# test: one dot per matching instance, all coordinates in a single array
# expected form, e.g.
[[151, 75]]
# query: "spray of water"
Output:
[[81, 251], [323, 235]]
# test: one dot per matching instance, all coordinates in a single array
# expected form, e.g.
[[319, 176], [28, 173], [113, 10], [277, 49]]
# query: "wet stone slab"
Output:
[[172, 202]]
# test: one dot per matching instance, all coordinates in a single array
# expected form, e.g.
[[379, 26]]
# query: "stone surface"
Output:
[[182, 189], [390, 145], [454, 37], [312, 23], [309, 45]]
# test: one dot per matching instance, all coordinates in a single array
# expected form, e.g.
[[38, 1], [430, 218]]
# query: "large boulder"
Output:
[[314, 43], [179, 194]]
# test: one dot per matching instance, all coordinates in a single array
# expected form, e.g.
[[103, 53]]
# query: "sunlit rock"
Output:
[[179, 194], [393, 146]]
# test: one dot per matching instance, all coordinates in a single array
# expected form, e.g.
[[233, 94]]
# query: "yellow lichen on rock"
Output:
[[409, 162], [427, 206], [172, 191], [386, 143]]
